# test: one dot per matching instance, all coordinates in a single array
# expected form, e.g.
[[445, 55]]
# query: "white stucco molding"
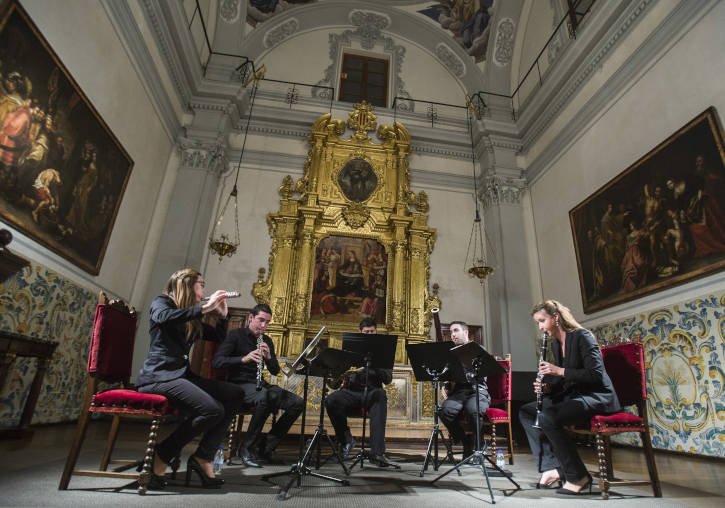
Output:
[[450, 60], [230, 10], [504, 42], [499, 189], [207, 156], [280, 32]]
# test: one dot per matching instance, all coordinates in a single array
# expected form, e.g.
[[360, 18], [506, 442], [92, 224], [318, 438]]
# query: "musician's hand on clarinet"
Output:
[[546, 368], [444, 393], [265, 350], [254, 356], [540, 387]]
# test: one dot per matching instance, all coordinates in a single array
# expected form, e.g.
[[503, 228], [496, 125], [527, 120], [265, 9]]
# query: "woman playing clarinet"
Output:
[[575, 388]]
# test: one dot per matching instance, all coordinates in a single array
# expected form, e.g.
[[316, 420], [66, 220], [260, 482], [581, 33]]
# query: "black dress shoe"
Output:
[[207, 482], [156, 482], [382, 461], [271, 457], [248, 458], [346, 449]]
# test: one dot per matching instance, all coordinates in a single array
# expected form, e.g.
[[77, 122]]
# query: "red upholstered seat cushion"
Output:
[[497, 415], [612, 424], [132, 402]]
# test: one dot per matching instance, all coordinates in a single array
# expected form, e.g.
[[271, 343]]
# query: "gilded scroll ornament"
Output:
[[362, 119], [356, 215], [287, 189]]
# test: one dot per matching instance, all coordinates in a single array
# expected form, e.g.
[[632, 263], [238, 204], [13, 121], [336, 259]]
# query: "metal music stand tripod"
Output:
[[479, 364], [327, 361], [433, 361]]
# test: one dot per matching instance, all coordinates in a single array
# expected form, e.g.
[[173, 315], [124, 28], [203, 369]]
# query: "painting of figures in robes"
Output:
[[659, 223], [350, 279], [62, 171]]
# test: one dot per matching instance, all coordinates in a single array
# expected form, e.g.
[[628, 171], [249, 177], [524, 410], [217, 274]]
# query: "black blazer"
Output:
[[584, 375], [168, 356]]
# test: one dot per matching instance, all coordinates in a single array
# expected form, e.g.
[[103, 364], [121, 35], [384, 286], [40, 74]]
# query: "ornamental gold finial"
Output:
[[362, 119]]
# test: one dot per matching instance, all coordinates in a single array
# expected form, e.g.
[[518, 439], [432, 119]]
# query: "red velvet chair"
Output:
[[625, 365], [499, 413], [109, 360]]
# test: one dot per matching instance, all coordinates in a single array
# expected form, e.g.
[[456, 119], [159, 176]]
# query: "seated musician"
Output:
[[240, 355], [340, 401], [462, 396]]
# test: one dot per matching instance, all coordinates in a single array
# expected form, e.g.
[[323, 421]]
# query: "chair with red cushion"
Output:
[[499, 412], [625, 366], [109, 360]]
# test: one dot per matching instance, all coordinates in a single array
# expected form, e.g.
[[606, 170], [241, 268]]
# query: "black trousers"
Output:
[[210, 406], [552, 446], [452, 407], [268, 400], [340, 401]]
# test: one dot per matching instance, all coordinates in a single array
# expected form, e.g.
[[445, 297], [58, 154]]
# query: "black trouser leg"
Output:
[[337, 404], [291, 404], [377, 405]]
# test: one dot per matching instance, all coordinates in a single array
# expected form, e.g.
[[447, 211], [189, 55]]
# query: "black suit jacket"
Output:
[[168, 356], [239, 343], [584, 375]]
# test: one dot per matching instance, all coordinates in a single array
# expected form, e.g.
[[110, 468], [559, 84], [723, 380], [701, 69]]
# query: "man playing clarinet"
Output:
[[241, 354]]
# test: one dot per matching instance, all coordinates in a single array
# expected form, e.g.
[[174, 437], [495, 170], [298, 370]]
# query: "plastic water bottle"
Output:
[[500, 462], [218, 462]]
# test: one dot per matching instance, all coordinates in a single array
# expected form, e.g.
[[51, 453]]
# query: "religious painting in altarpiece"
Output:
[[350, 240]]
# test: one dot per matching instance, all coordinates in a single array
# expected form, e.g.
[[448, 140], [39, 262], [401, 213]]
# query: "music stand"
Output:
[[433, 361], [327, 361], [479, 364], [378, 352]]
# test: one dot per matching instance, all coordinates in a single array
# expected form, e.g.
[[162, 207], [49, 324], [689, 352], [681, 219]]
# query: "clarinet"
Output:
[[260, 365], [540, 394]]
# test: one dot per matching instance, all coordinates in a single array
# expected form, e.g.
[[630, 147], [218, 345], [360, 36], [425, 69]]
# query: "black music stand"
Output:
[[478, 364], [378, 352], [328, 361], [433, 361]]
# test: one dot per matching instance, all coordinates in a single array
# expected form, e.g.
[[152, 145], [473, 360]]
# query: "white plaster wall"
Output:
[[679, 85], [301, 58], [83, 38], [536, 30]]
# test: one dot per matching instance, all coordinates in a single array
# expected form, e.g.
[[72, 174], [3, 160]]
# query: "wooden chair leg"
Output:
[[493, 438], [80, 435], [651, 466], [148, 461], [511, 443], [110, 443], [602, 460]]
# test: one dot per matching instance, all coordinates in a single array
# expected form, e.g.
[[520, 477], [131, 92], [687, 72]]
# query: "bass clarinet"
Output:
[[539, 376], [260, 365]]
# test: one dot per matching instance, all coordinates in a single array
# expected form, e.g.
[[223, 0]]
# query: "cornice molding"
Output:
[[687, 12], [577, 64]]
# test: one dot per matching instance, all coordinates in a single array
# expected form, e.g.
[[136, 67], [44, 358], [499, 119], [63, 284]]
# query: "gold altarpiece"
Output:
[[353, 204]]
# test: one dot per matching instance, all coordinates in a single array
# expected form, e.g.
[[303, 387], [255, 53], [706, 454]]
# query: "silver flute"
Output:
[[260, 365], [229, 294], [539, 376]]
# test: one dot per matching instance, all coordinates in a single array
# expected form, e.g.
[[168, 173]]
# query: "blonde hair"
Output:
[[180, 288], [554, 308]]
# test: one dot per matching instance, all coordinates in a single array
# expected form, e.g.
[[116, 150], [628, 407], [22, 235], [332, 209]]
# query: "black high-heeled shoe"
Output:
[[553, 484], [206, 481], [568, 492]]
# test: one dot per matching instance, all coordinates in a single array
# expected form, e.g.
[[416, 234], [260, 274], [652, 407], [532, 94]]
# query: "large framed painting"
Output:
[[350, 279], [659, 223], [62, 171]]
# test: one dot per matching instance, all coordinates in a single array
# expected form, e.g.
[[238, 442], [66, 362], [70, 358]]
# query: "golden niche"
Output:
[[350, 239]]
